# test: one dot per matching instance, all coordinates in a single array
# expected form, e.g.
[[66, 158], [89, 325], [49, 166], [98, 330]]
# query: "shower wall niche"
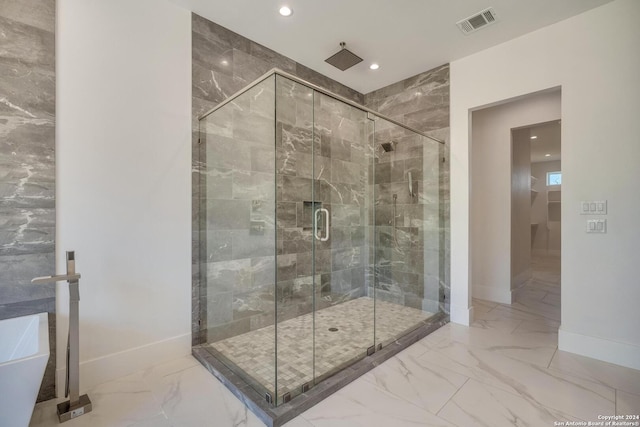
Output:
[[320, 235]]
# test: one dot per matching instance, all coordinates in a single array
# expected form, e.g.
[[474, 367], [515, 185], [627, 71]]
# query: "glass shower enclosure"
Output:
[[320, 234]]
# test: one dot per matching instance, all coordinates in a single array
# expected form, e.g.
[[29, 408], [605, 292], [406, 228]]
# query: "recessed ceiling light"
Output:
[[285, 11], [224, 62], [374, 66], [547, 155], [534, 137]]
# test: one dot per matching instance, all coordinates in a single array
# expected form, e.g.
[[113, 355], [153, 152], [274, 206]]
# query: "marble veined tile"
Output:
[[514, 312], [549, 310], [194, 397], [415, 381], [298, 421], [537, 384], [127, 401], [363, 404], [627, 403], [478, 337], [483, 306], [608, 374], [478, 404], [505, 325]]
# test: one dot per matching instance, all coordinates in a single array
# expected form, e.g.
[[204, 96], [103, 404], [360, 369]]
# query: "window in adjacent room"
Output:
[[554, 178]]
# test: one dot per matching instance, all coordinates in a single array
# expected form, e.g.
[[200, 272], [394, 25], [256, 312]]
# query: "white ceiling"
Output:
[[405, 37], [547, 141]]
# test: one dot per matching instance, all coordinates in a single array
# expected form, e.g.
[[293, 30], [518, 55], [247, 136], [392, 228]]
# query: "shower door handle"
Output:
[[326, 224]]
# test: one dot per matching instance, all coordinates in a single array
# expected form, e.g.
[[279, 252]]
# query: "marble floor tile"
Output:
[[478, 404], [363, 404], [627, 403], [489, 338], [193, 398], [127, 401], [541, 386], [504, 370], [539, 308], [501, 325], [515, 312], [422, 384], [483, 306], [298, 422], [610, 375]]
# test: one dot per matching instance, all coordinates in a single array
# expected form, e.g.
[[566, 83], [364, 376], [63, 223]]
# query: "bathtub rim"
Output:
[[43, 338]]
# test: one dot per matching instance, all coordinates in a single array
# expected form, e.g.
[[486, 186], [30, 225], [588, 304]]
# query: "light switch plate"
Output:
[[601, 207], [596, 226], [584, 208], [593, 207]]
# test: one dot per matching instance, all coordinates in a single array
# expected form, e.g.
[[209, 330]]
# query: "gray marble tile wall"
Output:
[[421, 101], [224, 62], [313, 155], [322, 162], [27, 163]]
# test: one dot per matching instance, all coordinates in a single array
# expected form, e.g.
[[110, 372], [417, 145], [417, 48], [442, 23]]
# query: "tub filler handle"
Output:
[[76, 405]]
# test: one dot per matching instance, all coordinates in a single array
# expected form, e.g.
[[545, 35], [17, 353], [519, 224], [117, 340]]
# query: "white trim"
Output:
[[619, 353], [461, 315], [117, 365]]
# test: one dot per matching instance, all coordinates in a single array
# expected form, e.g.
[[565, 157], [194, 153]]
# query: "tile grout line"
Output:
[[452, 396], [551, 360]]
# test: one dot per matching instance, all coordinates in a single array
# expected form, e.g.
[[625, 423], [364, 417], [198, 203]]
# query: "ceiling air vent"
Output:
[[479, 20]]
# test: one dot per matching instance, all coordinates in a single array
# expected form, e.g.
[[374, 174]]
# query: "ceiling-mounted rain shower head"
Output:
[[388, 146], [344, 58]]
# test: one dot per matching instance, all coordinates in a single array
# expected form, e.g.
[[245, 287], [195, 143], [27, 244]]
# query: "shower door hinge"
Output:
[[199, 140]]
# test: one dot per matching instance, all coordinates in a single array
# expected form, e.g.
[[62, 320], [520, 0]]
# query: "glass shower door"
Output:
[[344, 312], [294, 217]]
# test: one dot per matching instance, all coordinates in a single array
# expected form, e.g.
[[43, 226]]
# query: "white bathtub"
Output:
[[24, 352]]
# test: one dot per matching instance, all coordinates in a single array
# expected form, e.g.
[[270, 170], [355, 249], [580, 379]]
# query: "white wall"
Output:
[[520, 207], [123, 151], [593, 56], [546, 240], [491, 159]]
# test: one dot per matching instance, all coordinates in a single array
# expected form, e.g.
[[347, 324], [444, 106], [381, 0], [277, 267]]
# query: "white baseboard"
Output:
[[619, 353], [491, 293], [116, 365], [461, 315]]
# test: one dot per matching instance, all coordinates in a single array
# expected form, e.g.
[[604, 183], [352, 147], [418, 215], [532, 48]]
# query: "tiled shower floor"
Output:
[[254, 351]]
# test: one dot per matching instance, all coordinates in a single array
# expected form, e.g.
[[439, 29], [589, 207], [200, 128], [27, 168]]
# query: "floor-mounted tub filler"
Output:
[[76, 405], [24, 352]]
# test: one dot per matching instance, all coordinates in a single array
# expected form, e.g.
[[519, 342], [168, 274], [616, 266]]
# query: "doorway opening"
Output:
[[515, 221], [536, 201]]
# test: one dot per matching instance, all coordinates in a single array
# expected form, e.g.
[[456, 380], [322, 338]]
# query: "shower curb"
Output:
[[274, 416]]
